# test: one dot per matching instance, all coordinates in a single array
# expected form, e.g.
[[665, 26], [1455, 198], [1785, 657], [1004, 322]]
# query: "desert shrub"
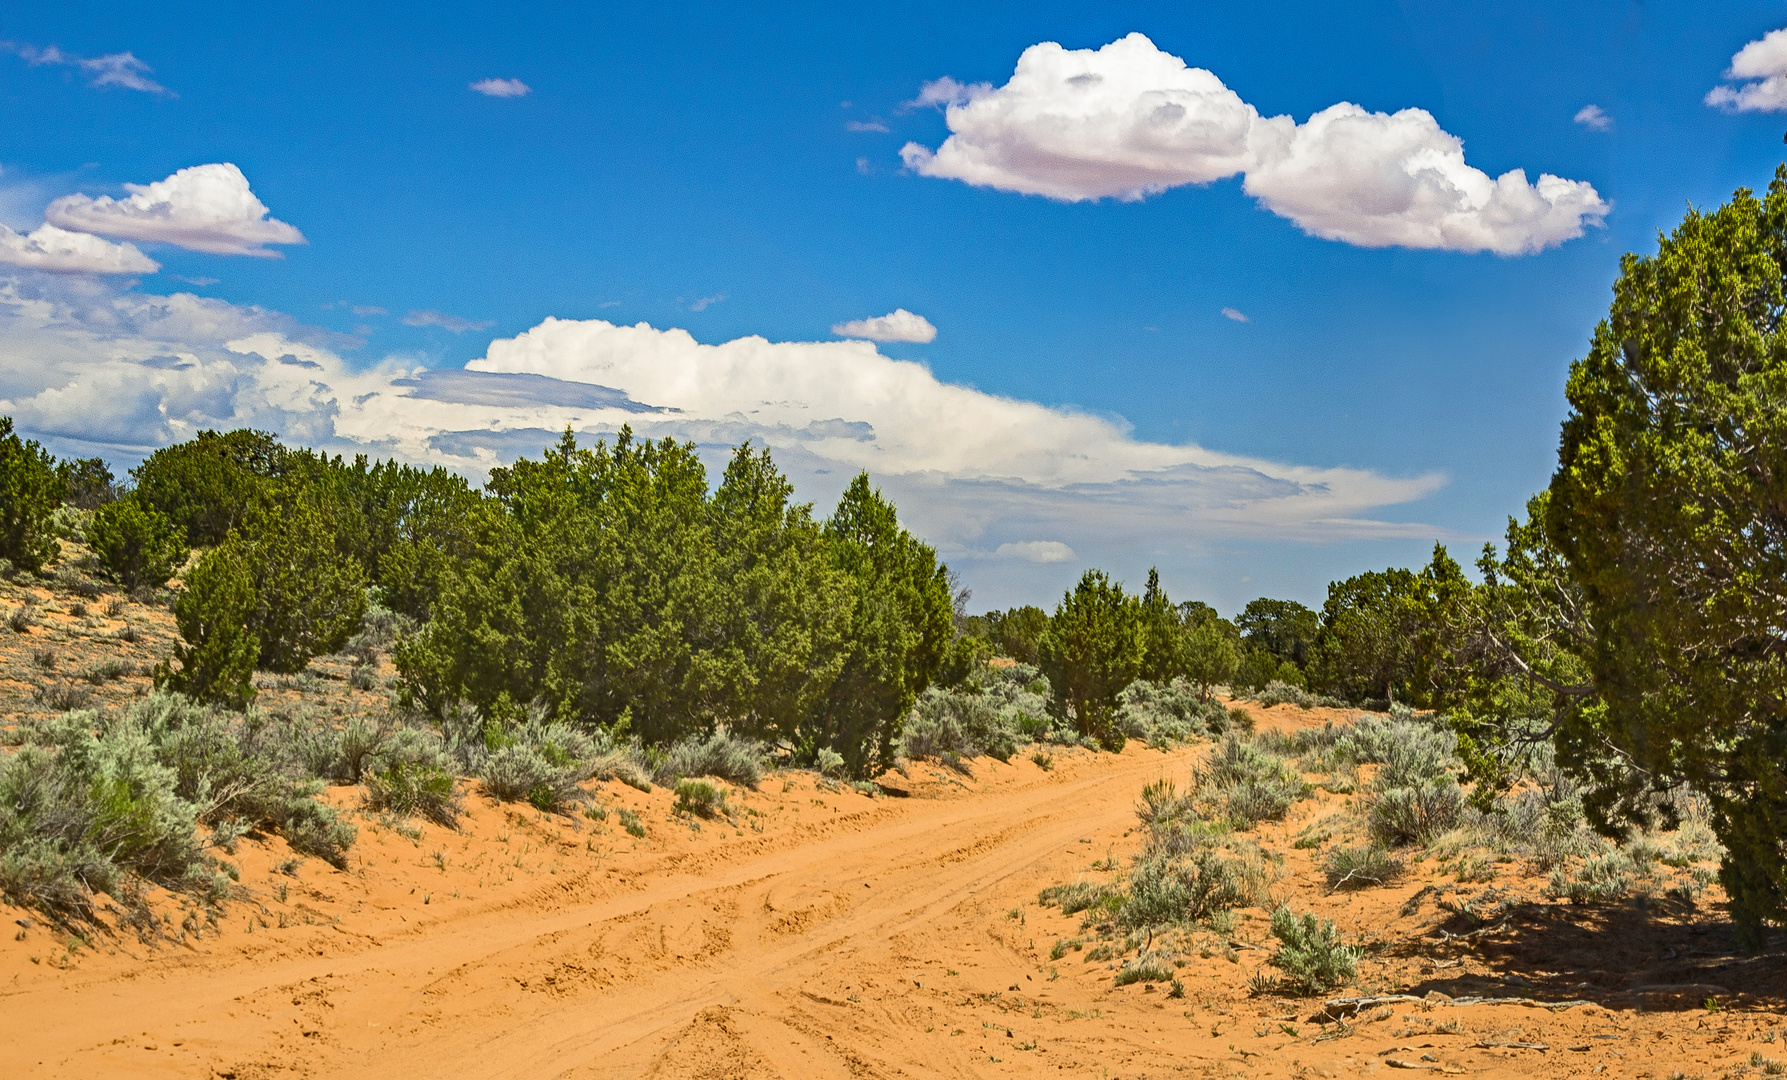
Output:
[[958, 722], [44, 658], [720, 754], [536, 760], [363, 677], [62, 696], [1283, 693], [1077, 896], [1310, 953], [1169, 713], [108, 670], [22, 618], [1594, 880], [30, 493], [829, 762], [87, 484], [700, 797], [1246, 784], [136, 545], [1145, 967], [217, 654], [1360, 867], [415, 790], [380, 628], [1167, 887], [1415, 815]]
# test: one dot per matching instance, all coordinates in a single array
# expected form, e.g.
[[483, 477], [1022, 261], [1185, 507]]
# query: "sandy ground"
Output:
[[825, 933]]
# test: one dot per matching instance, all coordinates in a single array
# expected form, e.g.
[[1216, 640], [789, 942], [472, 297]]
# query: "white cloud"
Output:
[[1235, 314], [1760, 69], [1594, 118], [202, 208], [501, 88], [980, 476], [1036, 551], [946, 91], [368, 309], [865, 125], [706, 302], [1127, 121], [897, 325], [452, 323], [49, 248], [113, 69]]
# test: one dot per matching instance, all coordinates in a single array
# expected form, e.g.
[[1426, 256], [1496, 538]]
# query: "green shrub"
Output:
[[87, 483], [1078, 896], [30, 492], [1359, 868], [964, 723], [701, 798], [308, 597], [1146, 967], [217, 655], [205, 486], [1245, 784], [830, 762], [1596, 880], [1283, 693], [1415, 815], [630, 822], [415, 789], [1092, 650], [721, 754], [1168, 713], [1310, 953], [137, 546]]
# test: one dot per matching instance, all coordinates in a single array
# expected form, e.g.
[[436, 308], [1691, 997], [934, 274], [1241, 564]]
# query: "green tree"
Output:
[[1284, 628], [1366, 647], [900, 626], [1017, 632], [308, 596], [30, 492], [1670, 505], [216, 657], [88, 484], [136, 545], [208, 484], [1212, 656], [1093, 649], [1165, 653]]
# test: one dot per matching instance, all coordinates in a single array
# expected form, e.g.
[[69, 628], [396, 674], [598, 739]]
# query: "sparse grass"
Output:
[[44, 658], [1042, 759], [630, 822], [1145, 967], [22, 619]]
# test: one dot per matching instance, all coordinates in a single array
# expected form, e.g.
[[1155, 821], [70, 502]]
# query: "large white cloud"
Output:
[[206, 208], [1128, 120], [1006, 487], [1760, 70], [49, 248]]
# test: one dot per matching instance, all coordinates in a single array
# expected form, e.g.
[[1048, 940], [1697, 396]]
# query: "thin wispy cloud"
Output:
[[706, 302], [1756, 81], [122, 69], [451, 323], [502, 88], [865, 125], [1128, 121], [897, 325], [1594, 118], [368, 309], [207, 208], [1236, 315]]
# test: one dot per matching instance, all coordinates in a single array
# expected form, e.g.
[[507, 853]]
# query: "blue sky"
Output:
[[696, 169]]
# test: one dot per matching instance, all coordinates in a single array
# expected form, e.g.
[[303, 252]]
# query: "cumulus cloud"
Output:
[[981, 476], [49, 248], [501, 88], [1127, 121], [1235, 314], [205, 208], [452, 323], [1594, 118], [113, 69], [897, 325], [1759, 72], [1036, 551]]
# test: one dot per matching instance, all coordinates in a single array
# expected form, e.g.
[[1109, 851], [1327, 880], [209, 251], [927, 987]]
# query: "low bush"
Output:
[[415, 789], [722, 754], [1245, 784], [1595, 880], [1146, 967], [137, 545], [1360, 867], [1399, 816], [1168, 713], [700, 798], [964, 723], [1310, 953], [1077, 896]]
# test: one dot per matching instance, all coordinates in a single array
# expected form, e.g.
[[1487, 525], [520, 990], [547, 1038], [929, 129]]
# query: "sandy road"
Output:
[[833, 952]]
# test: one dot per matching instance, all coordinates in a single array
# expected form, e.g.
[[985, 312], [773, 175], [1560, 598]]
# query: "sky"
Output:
[[1262, 295]]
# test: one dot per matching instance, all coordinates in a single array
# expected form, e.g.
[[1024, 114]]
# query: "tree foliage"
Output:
[[216, 655], [30, 491], [1095, 647], [1670, 506], [137, 545]]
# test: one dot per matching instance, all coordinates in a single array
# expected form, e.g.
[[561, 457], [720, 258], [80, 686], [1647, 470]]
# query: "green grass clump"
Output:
[[700, 798], [729, 757], [415, 789], [1360, 867]]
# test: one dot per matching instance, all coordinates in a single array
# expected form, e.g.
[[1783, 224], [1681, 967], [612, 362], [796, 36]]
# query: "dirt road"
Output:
[[817, 932]]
